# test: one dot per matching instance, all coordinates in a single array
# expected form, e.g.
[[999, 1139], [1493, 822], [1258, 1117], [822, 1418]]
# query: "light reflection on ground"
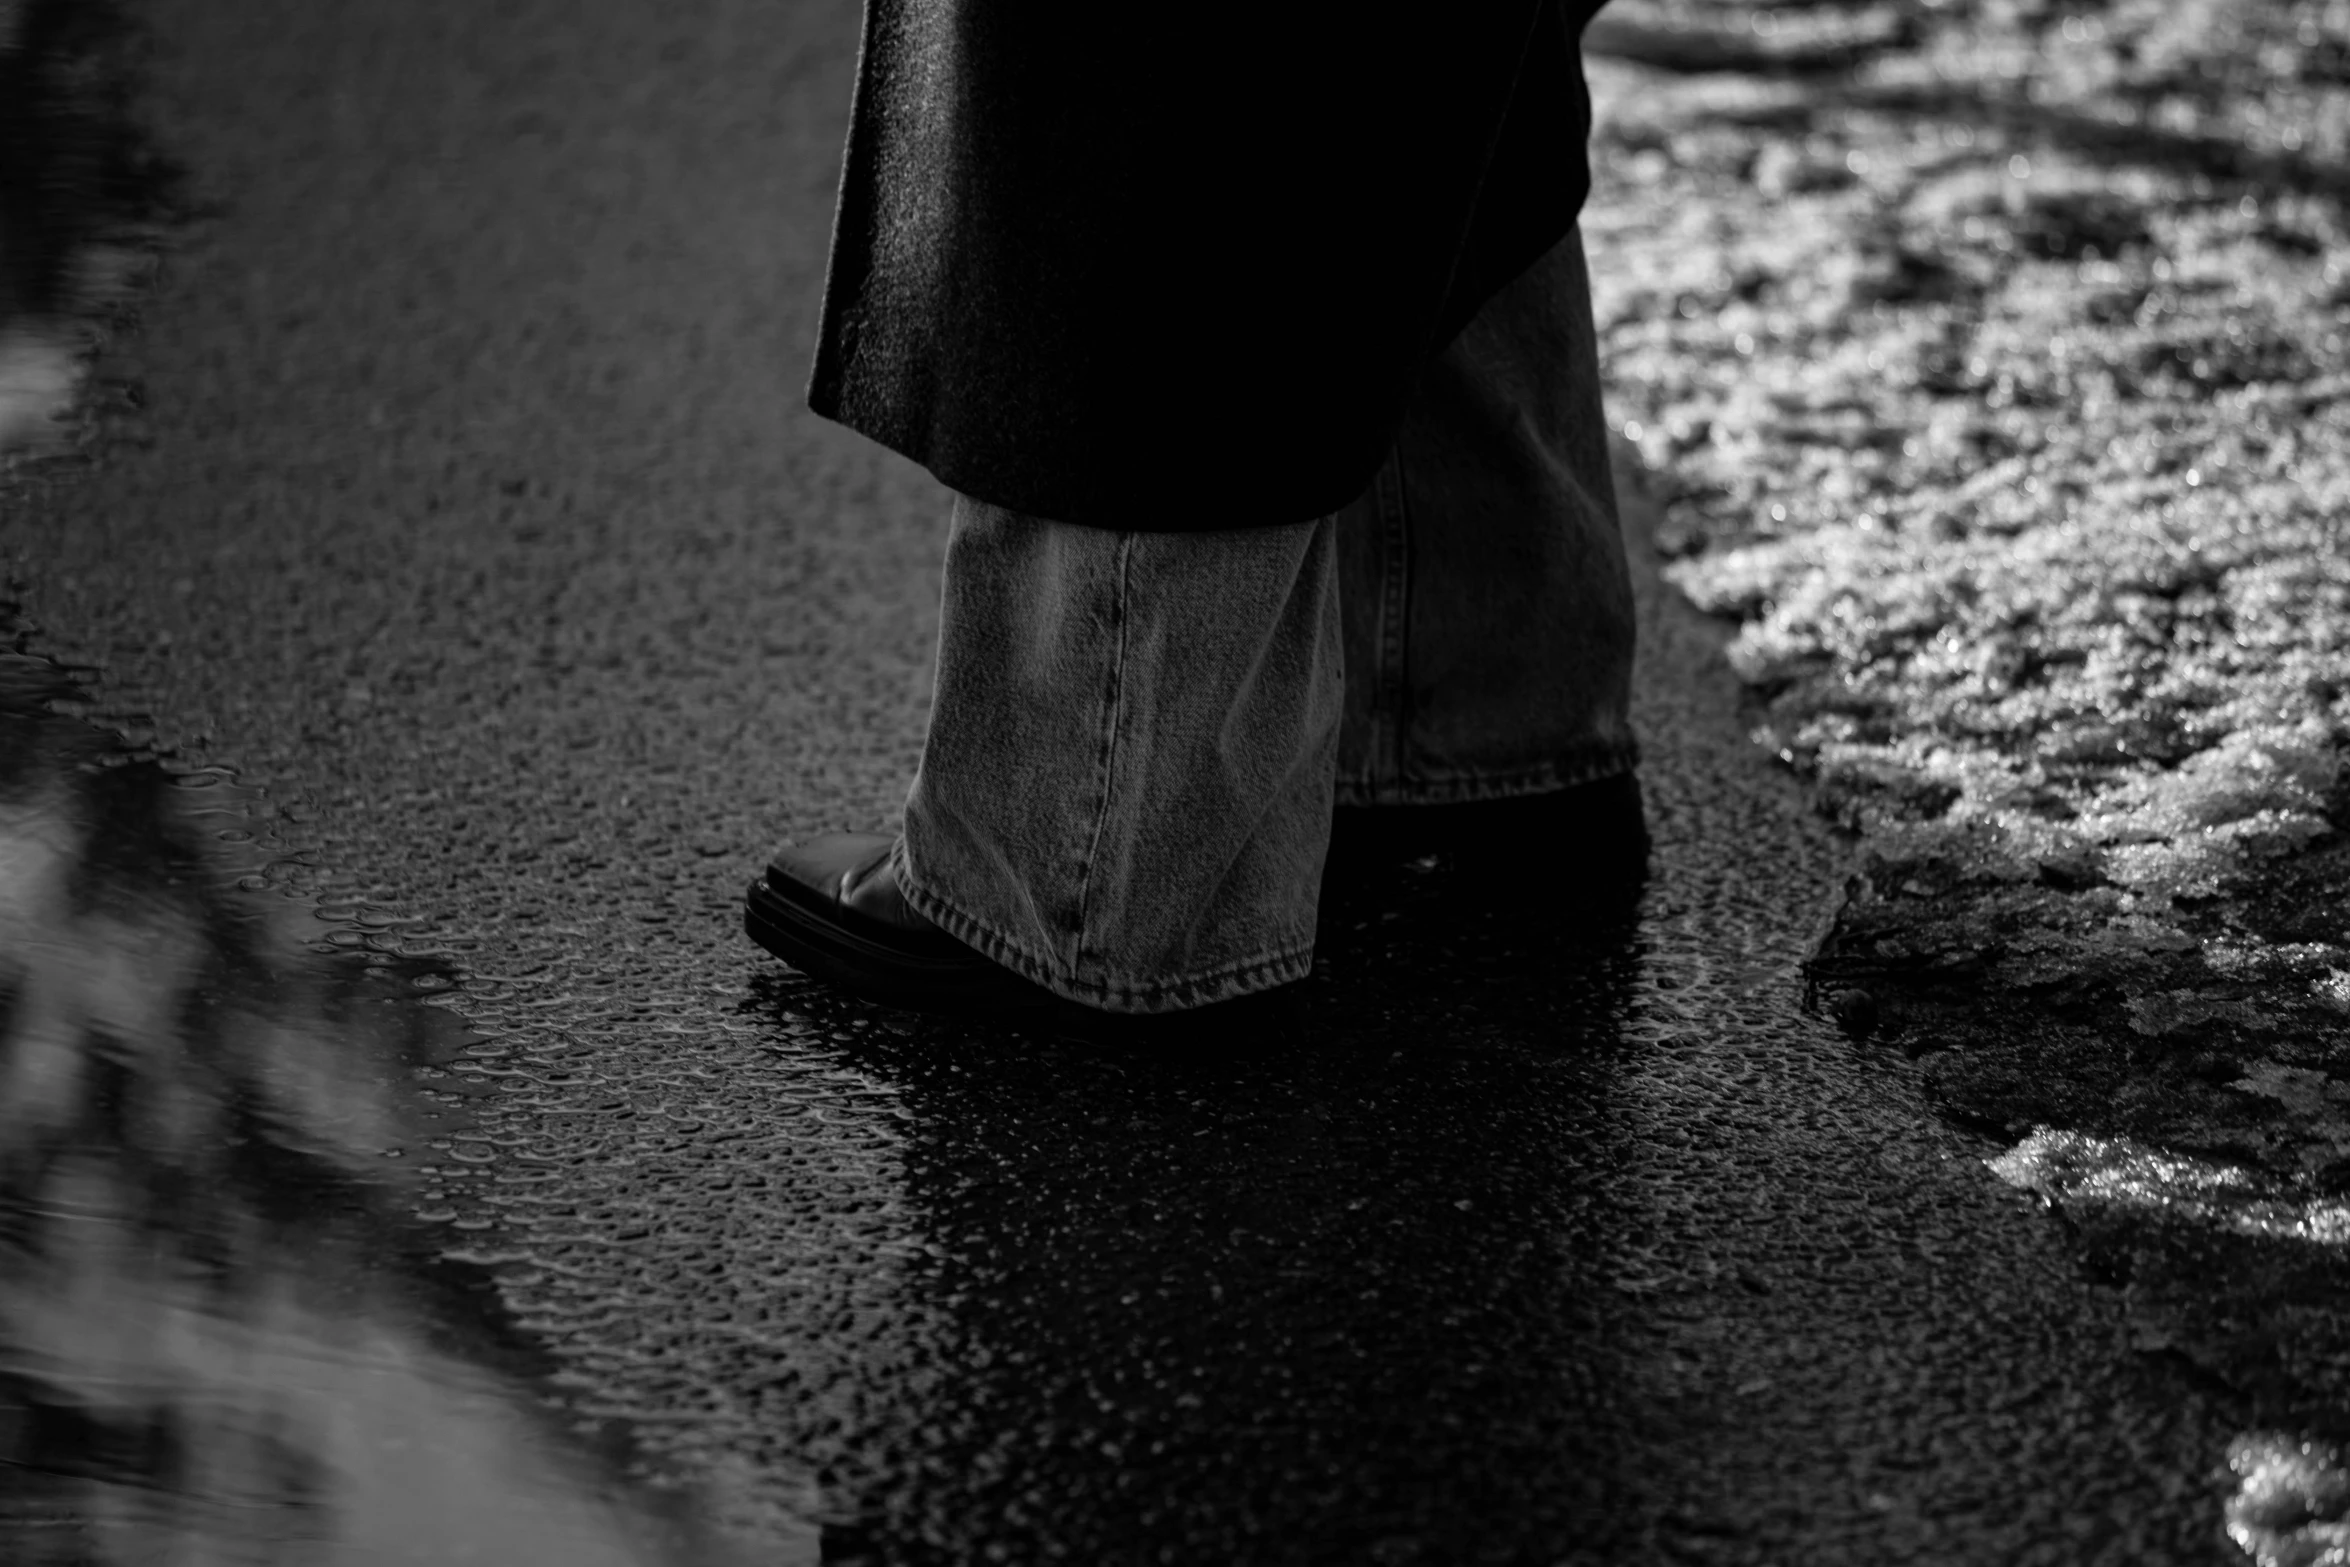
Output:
[[2292, 1494], [218, 1341], [2073, 1167], [2289, 1502]]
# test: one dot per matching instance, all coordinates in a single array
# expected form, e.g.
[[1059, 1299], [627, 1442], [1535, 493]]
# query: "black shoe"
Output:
[[832, 909], [1571, 851]]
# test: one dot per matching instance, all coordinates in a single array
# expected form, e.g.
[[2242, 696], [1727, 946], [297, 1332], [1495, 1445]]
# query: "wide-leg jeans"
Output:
[[1138, 738]]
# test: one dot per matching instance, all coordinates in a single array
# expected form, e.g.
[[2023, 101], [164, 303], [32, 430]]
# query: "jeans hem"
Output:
[[1470, 784], [1228, 982]]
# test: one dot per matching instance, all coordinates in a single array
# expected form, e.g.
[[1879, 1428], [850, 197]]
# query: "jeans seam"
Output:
[[1228, 981], [1109, 754], [1391, 693]]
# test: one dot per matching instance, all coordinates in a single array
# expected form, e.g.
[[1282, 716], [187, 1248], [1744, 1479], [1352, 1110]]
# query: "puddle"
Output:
[[224, 1335]]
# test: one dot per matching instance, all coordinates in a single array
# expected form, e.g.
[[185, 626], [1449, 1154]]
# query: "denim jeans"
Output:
[[1137, 738]]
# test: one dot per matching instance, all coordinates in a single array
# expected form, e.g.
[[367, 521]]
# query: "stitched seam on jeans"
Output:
[[1219, 984], [1109, 759], [969, 929], [1390, 692]]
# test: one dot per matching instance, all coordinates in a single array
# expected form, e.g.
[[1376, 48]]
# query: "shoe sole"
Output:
[[882, 972]]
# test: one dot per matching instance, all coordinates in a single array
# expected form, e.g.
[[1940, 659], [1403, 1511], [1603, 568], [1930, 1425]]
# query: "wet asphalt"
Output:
[[473, 546]]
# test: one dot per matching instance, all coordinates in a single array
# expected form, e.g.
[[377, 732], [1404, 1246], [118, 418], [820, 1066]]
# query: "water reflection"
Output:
[[219, 1340], [1331, 1298], [2240, 1277]]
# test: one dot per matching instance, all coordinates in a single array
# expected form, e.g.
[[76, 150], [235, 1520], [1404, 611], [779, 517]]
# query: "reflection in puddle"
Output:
[[2289, 1503], [218, 1341], [2073, 1167]]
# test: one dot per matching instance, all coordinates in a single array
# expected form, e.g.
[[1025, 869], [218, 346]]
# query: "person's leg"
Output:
[[1124, 797], [1488, 607]]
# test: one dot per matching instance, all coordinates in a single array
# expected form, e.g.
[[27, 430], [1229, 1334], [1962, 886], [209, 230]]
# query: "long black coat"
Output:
[[1176, 264]]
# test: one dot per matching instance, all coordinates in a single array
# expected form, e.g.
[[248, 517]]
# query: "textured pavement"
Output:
[[473, 521]]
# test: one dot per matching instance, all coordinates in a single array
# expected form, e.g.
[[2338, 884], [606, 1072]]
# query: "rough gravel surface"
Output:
[[1997, 360]]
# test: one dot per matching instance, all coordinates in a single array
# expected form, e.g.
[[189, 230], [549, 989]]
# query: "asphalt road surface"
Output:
[[474, 564]]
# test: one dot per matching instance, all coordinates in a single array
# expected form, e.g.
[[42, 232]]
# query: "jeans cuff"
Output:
[[1226, 982], [1468, 785]]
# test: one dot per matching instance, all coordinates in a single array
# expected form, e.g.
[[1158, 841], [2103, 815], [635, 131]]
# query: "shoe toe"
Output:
[[824, 864]]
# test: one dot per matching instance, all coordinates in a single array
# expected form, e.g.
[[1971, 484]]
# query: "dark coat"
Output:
[[1176, 264]]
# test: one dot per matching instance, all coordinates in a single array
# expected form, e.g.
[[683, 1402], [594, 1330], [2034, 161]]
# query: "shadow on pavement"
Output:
[[221, 1336], [1324, 1298]]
